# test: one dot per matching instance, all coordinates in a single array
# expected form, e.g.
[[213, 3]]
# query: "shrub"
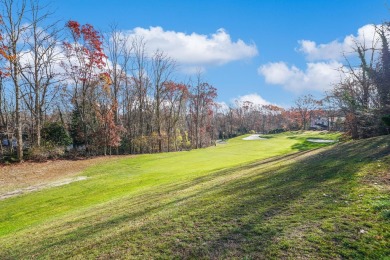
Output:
[[55, 133], [276, 131], [44, 153], [386, 120]]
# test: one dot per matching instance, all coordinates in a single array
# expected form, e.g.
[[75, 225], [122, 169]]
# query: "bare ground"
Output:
[[25, 177]]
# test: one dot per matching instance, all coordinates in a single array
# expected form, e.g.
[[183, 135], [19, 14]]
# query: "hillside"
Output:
[[270, 198]]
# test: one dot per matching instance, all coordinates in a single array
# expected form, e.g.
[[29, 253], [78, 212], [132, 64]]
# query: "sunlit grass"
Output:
[[220, 202]]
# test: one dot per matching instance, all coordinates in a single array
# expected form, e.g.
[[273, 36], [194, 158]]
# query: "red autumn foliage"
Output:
[[4, 71], [74, 28], [173, 89], [87, 48], [108, 133]]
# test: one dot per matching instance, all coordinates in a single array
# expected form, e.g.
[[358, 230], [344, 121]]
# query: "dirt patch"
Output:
[[29, 174], [40, 187]]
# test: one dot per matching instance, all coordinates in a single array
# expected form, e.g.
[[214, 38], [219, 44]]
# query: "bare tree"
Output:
[[117, 50], [381, 74], [118, 53], [39, 71], [174, 111], [128, 100], [141, 85], [357, 93], [202, 96], [305, 105], [162, 69], [13, 15]]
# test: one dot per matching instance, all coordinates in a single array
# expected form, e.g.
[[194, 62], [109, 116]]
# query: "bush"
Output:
[[55, 133], [276, 131], [44, 153], [345, 137], [386, 120]]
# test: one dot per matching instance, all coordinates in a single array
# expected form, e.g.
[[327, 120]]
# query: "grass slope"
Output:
[[228, 201]]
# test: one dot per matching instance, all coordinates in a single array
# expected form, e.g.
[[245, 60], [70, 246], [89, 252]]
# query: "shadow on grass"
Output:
[[266, 203], [246, 211], [306, 145], [267, 136]]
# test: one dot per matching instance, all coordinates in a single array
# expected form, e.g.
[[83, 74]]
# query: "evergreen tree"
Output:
[[77, 128]]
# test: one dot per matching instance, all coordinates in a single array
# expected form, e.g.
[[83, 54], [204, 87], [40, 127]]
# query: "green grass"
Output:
[[229, 201]]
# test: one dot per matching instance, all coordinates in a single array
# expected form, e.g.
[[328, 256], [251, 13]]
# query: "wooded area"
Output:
[[106, 93]]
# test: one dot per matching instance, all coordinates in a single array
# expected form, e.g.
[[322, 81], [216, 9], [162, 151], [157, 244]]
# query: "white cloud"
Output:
[[254, 98], [325, 62], [318, 76], [335, 50], [329, 51], [196, 50], [222, 107], [54, 55]]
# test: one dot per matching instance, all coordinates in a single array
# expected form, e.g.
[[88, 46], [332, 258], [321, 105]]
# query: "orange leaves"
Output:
[[105, 76], [108, 133], [3, 54], [273, 108], [107, 82], [4, 74], [174, 89], [11, 57]]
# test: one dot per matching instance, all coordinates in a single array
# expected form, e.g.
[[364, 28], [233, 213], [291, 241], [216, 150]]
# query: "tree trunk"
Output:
[[37, 119], [19, 135]]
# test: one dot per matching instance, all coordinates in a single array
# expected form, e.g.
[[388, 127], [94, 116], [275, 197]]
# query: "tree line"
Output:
[[105, 93], [102, 92]]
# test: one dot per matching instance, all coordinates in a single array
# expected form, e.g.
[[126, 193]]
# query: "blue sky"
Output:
[[263, 51]]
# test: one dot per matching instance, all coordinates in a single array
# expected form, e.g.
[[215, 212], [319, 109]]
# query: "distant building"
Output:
[[334, 123]]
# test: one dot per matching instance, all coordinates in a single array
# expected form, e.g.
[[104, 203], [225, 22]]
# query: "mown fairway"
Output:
[[229, 201]]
